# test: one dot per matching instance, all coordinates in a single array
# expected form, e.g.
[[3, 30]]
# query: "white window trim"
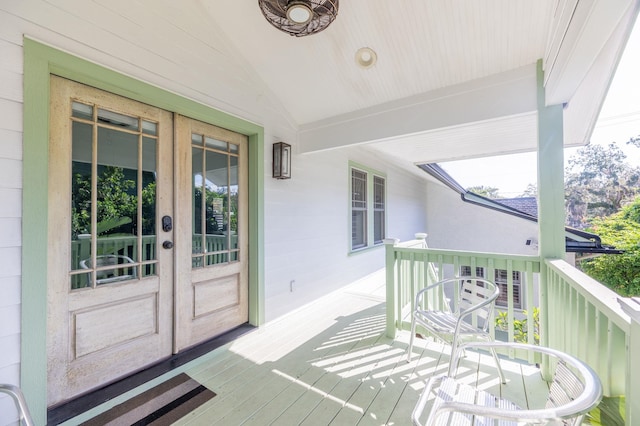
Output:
[[370, 207], [480, 272]]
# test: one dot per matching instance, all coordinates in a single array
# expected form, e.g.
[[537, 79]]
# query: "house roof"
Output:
[[576, 240], [528, 205]]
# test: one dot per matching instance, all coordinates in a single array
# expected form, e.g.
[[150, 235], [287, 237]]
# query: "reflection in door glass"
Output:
[[214, 180], [233, 208], [113, 199]]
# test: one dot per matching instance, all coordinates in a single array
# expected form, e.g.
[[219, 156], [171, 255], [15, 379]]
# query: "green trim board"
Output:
[[40, 61], [370, 210]]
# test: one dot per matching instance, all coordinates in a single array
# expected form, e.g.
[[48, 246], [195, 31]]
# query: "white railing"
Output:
[[578, 315]]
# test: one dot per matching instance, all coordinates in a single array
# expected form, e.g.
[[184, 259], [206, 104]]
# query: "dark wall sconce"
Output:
[[281, 160]]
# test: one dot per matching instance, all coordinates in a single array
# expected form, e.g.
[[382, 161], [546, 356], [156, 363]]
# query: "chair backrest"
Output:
[[565, 387], [111, 275], [476, 292]]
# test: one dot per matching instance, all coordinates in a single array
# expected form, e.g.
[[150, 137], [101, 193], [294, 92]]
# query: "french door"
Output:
[[147, 236]]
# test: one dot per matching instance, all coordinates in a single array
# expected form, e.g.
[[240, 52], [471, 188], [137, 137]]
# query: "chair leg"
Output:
[[454, 348], [497, 360], [413, 333]]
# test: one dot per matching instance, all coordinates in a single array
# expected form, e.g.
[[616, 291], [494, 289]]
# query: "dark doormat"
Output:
[[159, 406]]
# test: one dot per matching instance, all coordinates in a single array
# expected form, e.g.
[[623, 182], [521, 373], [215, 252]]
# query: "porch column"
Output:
[[551, 213], [631, 306]]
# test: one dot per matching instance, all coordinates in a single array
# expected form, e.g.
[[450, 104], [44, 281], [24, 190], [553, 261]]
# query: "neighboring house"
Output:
[[468, 221], [186, 99]]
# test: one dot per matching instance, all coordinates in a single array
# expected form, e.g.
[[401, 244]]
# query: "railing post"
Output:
[[631, 306], [392, 285], [421, 236]]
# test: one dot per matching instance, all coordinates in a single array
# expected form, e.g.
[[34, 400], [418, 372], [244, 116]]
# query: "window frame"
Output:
[[370, 209], [502, 300]]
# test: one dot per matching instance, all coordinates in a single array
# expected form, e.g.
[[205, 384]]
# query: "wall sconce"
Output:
[[281, 160]]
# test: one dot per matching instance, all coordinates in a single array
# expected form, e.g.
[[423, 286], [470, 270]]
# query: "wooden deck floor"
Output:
[[330, 363]]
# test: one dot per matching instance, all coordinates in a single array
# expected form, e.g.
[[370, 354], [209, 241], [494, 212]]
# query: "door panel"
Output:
[[212, 283], [110, 286]]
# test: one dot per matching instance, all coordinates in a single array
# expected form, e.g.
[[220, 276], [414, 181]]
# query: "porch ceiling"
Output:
[[454, 78], [439, 64]]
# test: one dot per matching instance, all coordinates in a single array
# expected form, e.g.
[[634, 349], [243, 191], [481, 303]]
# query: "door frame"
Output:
[[40, 61]]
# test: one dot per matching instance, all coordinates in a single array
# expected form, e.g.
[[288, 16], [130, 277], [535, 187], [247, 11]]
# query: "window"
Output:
[[500, 278], [368, 207], [358, 209], [501, 281], [378, 209]]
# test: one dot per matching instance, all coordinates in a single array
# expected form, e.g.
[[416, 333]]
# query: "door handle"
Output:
[[167, 244]]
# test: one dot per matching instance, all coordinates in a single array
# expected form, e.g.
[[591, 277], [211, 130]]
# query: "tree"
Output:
[[620, 272], [485, 191], [530, 191], [598, 182], [117, 203]]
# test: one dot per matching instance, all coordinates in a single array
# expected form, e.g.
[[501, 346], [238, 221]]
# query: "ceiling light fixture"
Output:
[[299, 12], [366, 57], [299, 17]]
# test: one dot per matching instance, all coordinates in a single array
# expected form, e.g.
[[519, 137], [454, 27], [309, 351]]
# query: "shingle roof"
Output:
[[527, 205]]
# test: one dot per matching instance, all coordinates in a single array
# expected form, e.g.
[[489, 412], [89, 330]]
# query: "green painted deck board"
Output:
[[332, 363]]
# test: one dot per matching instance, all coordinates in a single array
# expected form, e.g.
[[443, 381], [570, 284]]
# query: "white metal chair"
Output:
[[21, 404], [574, 391], [106, 276], [468, 319]]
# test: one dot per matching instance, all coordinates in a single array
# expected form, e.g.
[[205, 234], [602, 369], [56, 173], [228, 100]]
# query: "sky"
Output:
[[618, 121]]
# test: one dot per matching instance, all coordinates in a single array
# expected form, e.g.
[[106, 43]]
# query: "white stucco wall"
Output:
[[306, 218], [465, 226]]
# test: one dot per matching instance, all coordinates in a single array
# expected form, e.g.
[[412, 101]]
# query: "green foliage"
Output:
[[485, 191], [520, 327], [619, 272], [117, 203], [598, 182], [530, 191]]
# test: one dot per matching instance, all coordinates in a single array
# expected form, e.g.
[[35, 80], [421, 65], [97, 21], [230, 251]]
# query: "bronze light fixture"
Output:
[[281, 160], [299, 17]]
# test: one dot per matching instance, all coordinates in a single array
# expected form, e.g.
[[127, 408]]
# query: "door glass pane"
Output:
[[113, 197], [149, 127], [117, 203], [233, 208], [82, 111], [215, 203], [217, 211], [198, 202], [81, 182], [215, 144], [119, 120], [149, 200]]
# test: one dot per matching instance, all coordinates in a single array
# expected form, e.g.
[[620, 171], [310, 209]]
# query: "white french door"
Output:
[[147, 236]]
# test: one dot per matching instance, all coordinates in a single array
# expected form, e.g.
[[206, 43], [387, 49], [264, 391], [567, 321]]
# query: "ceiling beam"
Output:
[[506, 94]]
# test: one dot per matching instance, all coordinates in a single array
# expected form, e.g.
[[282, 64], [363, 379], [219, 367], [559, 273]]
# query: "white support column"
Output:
[[551, 214], [631, 306]]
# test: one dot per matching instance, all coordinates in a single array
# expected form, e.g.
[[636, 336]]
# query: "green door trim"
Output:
[[40, 61]]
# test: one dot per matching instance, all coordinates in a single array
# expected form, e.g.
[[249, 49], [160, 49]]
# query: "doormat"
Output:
[[159, 406]]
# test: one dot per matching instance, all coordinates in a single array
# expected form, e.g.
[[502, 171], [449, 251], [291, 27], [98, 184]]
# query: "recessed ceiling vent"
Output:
[[299, 17]]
